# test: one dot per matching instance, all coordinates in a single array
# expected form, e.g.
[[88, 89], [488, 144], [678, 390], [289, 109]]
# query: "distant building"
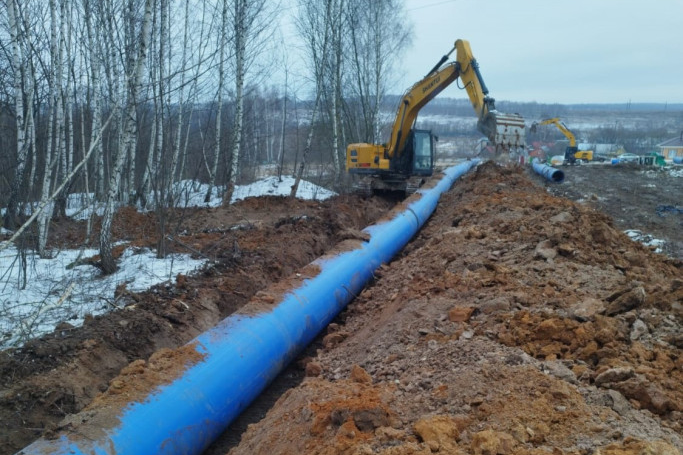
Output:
[[672, 148], [540, 150], [602, 149]]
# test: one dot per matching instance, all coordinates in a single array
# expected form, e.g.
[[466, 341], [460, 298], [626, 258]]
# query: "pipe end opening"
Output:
[[558, 176]]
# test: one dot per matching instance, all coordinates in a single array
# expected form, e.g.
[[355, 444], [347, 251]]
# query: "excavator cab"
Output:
[[416, 158], [423, 152]]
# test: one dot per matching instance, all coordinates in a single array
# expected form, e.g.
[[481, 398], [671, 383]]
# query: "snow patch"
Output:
[[34, 299], [36, 294], [271, 186], [645, 239]]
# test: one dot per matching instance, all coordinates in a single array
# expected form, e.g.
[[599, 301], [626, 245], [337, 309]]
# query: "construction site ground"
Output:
[[516, 322]]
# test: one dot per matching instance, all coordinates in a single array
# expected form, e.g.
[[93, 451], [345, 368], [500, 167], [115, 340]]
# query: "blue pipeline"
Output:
[[247, 350], [549, 172]]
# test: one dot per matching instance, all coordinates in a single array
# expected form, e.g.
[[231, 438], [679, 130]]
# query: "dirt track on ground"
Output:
[[516, 322]]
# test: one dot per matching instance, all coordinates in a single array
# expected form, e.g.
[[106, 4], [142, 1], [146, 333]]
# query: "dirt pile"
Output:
[[515, 323], [636, 197], [250, 245]]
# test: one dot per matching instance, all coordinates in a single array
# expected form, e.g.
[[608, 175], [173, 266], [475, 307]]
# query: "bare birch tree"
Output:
[[251, 23], [315, 26], [336, 70], [182, 102], [240, 28], [196, 61], [281, 150], [55, 143], [373, 56], [133, 84], [16, 43], [222, 49]]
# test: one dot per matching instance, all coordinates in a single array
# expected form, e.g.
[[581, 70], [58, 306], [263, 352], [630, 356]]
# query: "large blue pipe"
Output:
[[549, 172], [244, 352]]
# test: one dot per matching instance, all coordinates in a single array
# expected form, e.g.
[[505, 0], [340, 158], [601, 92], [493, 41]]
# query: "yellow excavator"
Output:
[[407, 159], [572, 155]]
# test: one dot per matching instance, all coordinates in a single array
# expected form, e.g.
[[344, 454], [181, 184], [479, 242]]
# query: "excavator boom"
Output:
[[505, 131], [562, 127], [409, 152]]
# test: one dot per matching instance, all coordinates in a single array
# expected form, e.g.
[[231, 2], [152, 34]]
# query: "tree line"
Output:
[[121, 99]]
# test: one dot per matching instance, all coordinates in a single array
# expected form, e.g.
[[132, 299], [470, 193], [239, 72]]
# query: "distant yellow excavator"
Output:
[[403, 163], [572, 155]]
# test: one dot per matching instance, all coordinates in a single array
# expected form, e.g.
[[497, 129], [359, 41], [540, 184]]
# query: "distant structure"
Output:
[[603, 149], [672, 150]]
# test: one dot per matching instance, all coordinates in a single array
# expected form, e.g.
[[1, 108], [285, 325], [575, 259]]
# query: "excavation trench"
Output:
[[252, 244], [514, 322], [206, 384]]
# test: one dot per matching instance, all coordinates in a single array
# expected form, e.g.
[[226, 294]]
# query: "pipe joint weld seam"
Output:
[[417, 218]]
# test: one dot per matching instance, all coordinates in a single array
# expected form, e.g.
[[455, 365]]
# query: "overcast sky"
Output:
[[579, 51]]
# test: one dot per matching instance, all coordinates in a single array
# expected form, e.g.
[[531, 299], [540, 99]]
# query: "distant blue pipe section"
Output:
[[246, 351], [549, 172]]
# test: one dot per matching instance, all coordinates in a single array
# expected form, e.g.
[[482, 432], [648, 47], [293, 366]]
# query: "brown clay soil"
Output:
[[516, 322], [631, 195], [250, 244]]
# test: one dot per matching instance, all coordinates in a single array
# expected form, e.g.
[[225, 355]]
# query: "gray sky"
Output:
[[579, 51]]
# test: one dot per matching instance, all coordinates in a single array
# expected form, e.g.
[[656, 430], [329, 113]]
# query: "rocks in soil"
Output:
[[515, 323]]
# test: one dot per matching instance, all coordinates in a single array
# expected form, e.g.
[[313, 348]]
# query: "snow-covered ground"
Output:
[[645, 239], [676, 171], [38, 294], [190, 193], [272, 187], [34, 299]]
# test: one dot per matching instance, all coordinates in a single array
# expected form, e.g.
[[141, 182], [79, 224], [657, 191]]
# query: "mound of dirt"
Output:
[[516, 322], [636, 197], [250, 244]]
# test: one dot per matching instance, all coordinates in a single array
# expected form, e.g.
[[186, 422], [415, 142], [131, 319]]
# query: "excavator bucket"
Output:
[[505, 131]]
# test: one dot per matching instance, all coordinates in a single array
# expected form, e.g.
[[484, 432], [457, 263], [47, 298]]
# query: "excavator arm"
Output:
[[408, 156], [570, 153], [563, 129], [503, 130]]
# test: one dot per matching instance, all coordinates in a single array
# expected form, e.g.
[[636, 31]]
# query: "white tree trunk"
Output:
[[281, 155], [219, 108], [30, 136], [133, 87], [56, 114], [240, 31], [10, 221], [95, 67], [181, 105], [336, 89]]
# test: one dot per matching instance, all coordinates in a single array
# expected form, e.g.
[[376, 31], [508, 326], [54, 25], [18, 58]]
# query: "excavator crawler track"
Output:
[[413, 184]]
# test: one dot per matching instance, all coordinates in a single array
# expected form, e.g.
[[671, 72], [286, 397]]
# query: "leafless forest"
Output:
[[120, 99]]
